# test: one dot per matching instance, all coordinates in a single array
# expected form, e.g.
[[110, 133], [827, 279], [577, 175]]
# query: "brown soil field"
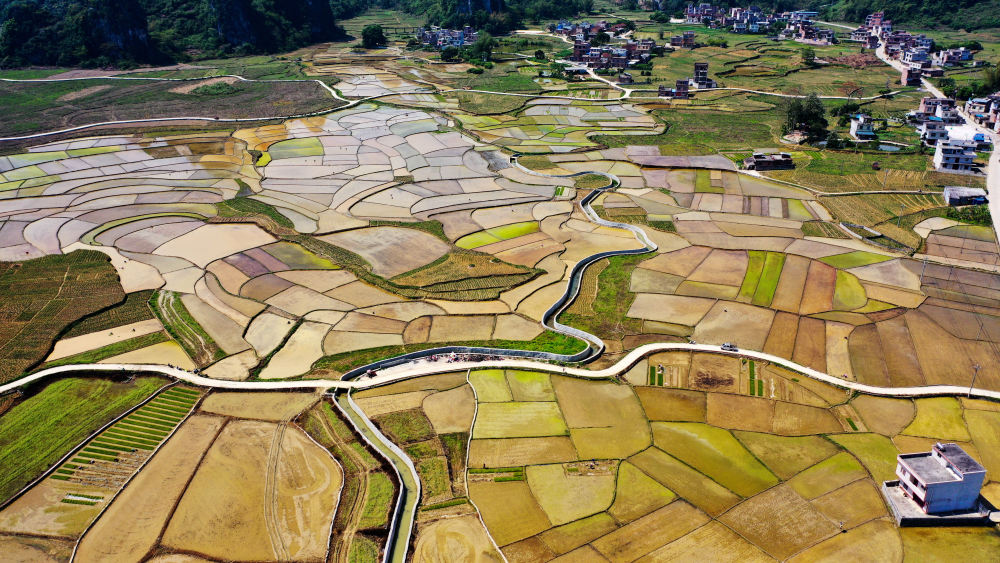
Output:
[[852, 504], [711, 542], [131, 526], [566, 538], [874, 541], [261, 406], [788, 294], [585, 554], [781, 337], [650, 532], [675, 309], [637, 494], [745, 325], [456, 328], [810, 344], [678, 405], [686, 482], [866, 356], [441, 382], [242, 505], [798, 420], [452, 410], [725, 267], [779, 521], [827, 476], [454, 539], [27, 549], [508, 452], [527, 550], [679, 262], [938, 353], [509, 510], [643, 281], [786, 456], [712, 372], [900, 357], [740, 412], [883, 415], [817, 296], [565, 496], [41, 512], [382, 404], [606, 419]]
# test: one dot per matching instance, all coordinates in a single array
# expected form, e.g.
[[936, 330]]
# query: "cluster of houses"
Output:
[[439, 38], [985, 111], [685, 40], [805, 31], [741, 20], [683, 87], [613, 56], [583, 31], [955, 149], [916, 52]]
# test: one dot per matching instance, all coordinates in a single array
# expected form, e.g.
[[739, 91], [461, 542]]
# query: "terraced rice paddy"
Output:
[[786, 489]]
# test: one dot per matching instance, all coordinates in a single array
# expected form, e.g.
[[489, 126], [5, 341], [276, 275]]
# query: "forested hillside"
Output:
[[124, 32], [103, 32]]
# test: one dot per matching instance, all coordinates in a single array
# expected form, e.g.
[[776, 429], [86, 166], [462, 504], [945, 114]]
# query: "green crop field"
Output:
[[380, 496], [40, 430], [768, 283], [42, 297]]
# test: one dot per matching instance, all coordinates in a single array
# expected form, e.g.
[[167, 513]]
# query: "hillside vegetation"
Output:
[[123, 32]]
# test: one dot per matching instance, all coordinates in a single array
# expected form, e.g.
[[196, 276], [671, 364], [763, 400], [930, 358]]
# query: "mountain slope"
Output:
[[104, 32]]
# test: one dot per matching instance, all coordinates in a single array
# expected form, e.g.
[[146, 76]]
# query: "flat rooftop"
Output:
[[956, 455], [928, 469]]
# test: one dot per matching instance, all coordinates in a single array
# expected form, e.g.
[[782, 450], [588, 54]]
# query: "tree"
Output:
[[373, 37], [808, 116], [483, 47], [808, 55], [600, 39], [449, 53], [539, 55]]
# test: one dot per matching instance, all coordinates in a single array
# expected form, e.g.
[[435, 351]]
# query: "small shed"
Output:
[[961, 195]]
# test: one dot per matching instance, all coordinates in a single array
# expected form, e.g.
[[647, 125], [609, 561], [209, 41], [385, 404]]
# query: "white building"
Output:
[[954, 156], [945, 479], [863, 128], [932, 130]]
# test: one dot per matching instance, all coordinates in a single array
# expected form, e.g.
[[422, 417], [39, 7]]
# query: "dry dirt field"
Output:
[[262, 492], [714, 470]]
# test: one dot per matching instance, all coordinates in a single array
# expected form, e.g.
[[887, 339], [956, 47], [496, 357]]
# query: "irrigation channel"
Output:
[[422, 363]]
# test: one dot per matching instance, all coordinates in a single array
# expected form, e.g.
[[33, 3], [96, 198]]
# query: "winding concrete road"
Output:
[[423, 367]]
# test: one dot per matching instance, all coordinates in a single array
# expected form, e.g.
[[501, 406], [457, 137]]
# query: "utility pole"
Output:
[[975, 368]]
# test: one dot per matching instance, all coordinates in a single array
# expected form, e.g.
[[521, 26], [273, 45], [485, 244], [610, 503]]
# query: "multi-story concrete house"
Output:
[[952, 57], [954, 156], [945, 479], [932, 130], [863, 127]]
